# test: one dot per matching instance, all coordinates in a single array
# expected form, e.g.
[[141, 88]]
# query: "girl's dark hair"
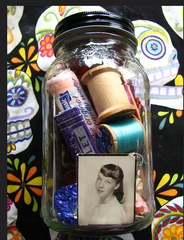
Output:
[[115, 172]]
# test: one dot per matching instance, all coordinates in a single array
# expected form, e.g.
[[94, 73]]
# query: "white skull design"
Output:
[[45, 26], [21, 108], [156, 52], [14, 14]]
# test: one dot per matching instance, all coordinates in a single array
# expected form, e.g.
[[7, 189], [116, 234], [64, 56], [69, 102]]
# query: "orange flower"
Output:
[[24, 184], [26, 61], [173, 233], [161, 195], [46, 46]]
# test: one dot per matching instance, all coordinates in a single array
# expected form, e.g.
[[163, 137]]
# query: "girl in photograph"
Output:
[[109, 188]]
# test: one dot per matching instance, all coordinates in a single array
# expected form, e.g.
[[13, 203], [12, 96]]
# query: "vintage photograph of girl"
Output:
[[106, 189]]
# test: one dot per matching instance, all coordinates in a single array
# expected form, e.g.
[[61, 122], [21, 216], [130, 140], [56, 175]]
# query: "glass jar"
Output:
[[97, 159]]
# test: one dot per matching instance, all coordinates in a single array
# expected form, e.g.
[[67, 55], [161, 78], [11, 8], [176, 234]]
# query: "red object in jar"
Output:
[[79, 70], [69, 177]]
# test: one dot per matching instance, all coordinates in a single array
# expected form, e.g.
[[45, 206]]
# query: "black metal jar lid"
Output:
[[92, 21]]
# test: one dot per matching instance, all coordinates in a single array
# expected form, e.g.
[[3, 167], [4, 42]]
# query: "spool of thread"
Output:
[[120, 137], [130, 93], [68, 93], [107, 92]]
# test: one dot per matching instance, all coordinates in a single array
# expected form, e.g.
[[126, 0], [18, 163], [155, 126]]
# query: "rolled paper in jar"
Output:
[[68, 93], [65, 204], [121, 137], [75, 132], [107, 92]]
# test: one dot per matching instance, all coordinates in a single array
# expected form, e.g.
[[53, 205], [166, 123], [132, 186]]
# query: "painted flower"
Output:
[[17, 85], [46, 46], [163, 196], [171, 117], [24, 184], [9, 202], [16, 96], [26, 60], [173, 233], [170, 114]]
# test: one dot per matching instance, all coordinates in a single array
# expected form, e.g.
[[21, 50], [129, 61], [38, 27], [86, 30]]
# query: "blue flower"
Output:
[[16, 96]]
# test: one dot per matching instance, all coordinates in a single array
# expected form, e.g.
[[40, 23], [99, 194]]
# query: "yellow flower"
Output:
[[161, 195], [24, 184], [173, 233], [26, 61]]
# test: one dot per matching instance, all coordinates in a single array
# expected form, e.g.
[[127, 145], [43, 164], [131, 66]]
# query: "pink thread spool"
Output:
[[107, 92]]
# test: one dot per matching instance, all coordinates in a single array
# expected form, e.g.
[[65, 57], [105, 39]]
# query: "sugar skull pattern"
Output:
[[158, 56], [168, 221], [156, 52], [21, 108], [14, 14], [174, 17]]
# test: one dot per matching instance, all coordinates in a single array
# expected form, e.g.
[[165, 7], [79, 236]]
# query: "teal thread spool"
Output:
[[120, 137]]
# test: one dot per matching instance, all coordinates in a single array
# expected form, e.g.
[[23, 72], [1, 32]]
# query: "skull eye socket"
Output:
[[16, 96], [153, 47]]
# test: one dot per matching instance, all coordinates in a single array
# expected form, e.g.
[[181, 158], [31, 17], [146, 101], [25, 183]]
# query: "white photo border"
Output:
[[87, 166]]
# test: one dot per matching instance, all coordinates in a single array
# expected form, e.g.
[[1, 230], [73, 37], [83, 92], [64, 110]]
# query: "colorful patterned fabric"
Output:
[[30, 30]]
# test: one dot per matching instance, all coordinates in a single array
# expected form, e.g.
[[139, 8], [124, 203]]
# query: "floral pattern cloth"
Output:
[[30, 34]]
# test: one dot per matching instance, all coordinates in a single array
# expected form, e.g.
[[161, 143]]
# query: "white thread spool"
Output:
[[107, 92]]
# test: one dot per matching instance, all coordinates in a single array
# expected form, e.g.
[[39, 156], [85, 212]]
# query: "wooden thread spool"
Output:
[[107, 92], [120, 137]]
